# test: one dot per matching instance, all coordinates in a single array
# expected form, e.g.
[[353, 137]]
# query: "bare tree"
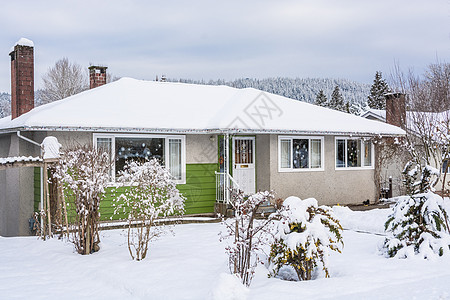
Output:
[[428, 118], [249, 236], [149, 192], [62, 80], [389, 160], [5, 105]]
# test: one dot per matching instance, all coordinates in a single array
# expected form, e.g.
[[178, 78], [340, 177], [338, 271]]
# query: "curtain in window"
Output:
[[105, 144], [367, 154], [316, 154], [285, 153], [175, 158]]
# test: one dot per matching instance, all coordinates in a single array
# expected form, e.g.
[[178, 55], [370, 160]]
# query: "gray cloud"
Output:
[[229, 39]]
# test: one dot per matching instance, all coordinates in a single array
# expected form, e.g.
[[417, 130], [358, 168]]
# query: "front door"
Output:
[[244, 163]]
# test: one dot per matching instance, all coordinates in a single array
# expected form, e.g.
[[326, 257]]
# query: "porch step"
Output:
[[265, 210]]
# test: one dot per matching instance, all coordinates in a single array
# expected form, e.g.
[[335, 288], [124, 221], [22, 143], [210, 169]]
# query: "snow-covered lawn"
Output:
[[193, 265]]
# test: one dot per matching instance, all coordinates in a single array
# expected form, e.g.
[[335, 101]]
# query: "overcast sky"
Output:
[[229, 39]]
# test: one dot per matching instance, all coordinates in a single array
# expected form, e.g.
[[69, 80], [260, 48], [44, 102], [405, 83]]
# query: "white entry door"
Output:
[[244, 163]]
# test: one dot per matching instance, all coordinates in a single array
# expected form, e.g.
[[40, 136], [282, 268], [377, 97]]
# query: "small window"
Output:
[[353, 153], [285, 149], [340, 153], [300, 153], [367, 154]]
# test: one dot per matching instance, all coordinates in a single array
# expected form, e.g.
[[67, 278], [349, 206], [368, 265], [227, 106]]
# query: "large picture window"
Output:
[[300, 153], [353, 153], [168, 150]]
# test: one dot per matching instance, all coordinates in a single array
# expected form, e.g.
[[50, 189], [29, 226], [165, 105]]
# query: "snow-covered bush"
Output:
[[418, 223], [248, 235], [150, 192], [428, 177], [306, 234], [83, 173]]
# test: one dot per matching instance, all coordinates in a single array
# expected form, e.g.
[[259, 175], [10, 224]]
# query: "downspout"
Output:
[[226, 168], [28, 140], [41, 171]]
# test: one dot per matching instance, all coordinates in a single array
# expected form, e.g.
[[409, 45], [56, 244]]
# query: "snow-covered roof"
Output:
[[378, 114], [416, 121], [130, 105]]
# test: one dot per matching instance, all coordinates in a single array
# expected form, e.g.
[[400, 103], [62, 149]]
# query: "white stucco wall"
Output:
[[201, 148], [16, 204], [330, 186]]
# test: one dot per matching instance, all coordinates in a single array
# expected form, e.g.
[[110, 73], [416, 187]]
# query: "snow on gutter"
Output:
[[198, 131]]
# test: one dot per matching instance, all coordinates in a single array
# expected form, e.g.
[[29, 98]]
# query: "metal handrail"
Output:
[[222, 187]]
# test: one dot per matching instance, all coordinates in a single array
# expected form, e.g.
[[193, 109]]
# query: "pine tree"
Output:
[[321, 99], [377, 91], [419, 221], [337, 101]]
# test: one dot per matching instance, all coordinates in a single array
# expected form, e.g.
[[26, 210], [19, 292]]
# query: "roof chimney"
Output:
[[22, 77], [396, 109], [97, 76]]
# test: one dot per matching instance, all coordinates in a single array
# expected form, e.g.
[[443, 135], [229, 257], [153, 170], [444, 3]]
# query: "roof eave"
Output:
[[195, 131]]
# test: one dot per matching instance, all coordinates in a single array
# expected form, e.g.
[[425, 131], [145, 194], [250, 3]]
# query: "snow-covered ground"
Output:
[[193, 265]]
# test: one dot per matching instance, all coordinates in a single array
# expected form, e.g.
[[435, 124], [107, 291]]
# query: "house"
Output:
[[210, 137]]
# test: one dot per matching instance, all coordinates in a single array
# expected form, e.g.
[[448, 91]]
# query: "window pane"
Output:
[[340, 153], [316, 154], [300, 152], [139, 149], [285, 148], [175, 158], [105, 144], [353, 153], [367, 154], [243, 151]]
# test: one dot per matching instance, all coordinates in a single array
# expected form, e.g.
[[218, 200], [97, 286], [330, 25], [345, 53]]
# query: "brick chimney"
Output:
[[396, 109], [97, 76], [22, 77]]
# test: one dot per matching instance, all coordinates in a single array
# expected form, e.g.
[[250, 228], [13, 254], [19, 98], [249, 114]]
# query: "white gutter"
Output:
[[41, 171], [207, 131]]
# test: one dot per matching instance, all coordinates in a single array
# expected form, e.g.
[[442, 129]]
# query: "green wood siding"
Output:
[[200, 188], [199, 191]]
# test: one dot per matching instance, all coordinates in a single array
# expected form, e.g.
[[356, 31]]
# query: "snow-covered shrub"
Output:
[[418, 227], [306, 234], [428, 177], [418, 223], [83, 173], [150, 192], [248, 235]]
